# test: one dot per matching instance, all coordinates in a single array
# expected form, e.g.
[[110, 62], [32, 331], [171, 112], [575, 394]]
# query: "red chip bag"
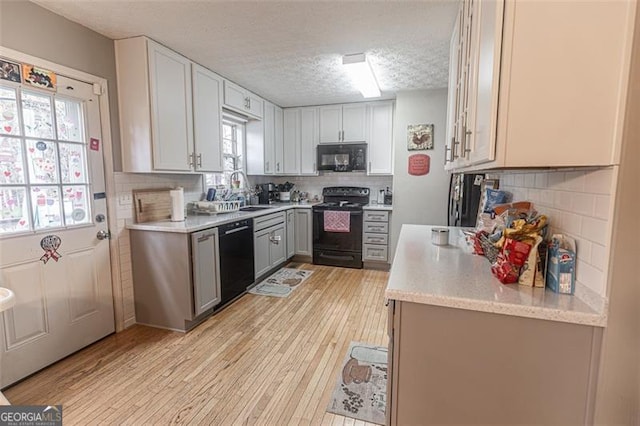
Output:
[[516, 252], [505, 271]]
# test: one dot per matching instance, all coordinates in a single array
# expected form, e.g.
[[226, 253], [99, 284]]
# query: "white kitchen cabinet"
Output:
[[300, 140], [239, 99], [304, 232], [206, 270], [155, 105], [309, 135], [552, 101], [375, 238], [264, 142], [207, 119], [176, 271], [380, 138], [343, 123], [270, 242], [291, 233], [291, 144]]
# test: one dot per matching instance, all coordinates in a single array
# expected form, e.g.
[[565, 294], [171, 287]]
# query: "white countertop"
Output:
[[199, 222], [383, 207], [450, 276]]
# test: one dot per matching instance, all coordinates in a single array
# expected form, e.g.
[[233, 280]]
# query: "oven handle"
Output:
[[330, 256], [353, 213]]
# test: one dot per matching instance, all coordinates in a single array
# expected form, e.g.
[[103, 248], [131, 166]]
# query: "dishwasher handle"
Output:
[[234, 230]]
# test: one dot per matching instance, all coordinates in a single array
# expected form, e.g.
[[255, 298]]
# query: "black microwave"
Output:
[[342, 158]]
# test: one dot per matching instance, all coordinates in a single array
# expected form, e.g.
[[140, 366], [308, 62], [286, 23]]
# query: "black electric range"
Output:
[[342, 245]]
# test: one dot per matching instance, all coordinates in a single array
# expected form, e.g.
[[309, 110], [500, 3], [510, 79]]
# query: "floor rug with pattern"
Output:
[[361, 390], [281, 283]]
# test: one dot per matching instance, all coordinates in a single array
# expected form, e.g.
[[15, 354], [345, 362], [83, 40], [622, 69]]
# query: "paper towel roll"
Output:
[[177, 204]]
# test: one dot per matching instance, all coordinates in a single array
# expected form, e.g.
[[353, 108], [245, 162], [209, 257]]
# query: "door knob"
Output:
[[103, 235]]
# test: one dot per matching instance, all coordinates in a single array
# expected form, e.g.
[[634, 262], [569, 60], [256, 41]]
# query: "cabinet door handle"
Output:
[[190, 159], [199, 160], [278, 166], [266, 168]]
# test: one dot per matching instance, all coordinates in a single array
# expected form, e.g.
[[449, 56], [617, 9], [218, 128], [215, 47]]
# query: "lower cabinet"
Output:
[[291, 234], [176, 277], [304, 232], [270, 244], [375, 241], [457, 366]]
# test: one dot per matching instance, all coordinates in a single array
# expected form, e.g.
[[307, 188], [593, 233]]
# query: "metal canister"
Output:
[[439, 236]]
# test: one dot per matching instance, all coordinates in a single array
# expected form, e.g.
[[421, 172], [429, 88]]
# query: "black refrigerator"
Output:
[[465, 191]]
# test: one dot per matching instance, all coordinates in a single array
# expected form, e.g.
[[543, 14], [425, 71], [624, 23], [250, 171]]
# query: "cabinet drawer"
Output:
[[374, 252], [376, 216], [266, 221], [376, 227], [376, 239]]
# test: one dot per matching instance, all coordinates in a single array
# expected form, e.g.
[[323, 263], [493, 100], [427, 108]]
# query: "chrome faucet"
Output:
[[246, 190]]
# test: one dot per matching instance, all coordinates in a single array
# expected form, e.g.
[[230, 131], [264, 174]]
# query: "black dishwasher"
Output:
[[236, 258]]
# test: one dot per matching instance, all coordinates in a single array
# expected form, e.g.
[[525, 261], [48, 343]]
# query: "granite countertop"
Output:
[[383, 207], [451, 276], [199, 222]]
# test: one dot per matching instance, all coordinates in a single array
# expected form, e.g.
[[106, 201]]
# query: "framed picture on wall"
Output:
[[419, 137]]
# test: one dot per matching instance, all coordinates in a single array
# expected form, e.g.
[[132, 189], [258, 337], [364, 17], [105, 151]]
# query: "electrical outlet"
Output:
[[125, 199]]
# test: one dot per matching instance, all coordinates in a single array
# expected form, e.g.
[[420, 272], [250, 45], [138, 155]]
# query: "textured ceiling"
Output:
[[288, 52]]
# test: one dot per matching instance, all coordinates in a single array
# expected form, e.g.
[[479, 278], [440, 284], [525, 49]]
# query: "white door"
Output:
[[278, 139], [354, 122], [269, 139], [52, 207], [207, 119]]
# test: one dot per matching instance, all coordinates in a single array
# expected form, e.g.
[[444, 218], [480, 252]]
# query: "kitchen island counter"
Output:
[[451, 276]]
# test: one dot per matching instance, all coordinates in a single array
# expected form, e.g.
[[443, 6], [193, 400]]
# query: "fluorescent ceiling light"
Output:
[[361, 74]]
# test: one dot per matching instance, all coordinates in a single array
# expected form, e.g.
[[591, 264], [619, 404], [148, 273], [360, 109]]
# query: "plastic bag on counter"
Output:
[[493, 198]]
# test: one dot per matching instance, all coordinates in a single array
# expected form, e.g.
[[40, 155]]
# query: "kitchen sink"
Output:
[[253, 208]]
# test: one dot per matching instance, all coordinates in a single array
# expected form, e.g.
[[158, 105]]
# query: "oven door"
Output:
[[338, 248]]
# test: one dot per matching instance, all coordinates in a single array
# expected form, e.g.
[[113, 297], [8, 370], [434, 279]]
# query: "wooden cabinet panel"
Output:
[[304, 229], [291, 234], [380, 138], [206, 270], [262, 252], [171, 106], [309, 135], [207, 119], [331, 124], [354, 122], [291, 151]]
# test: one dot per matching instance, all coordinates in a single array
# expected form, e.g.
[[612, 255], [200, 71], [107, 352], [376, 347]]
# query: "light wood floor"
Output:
[[263, 360]]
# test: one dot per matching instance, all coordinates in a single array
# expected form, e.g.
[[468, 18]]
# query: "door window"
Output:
[[43, 161]]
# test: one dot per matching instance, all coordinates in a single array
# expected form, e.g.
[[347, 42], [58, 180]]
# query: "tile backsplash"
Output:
[[314, 184], [578, 203]]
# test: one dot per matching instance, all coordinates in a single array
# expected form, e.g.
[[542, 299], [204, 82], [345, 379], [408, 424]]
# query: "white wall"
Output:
[[419, 199]]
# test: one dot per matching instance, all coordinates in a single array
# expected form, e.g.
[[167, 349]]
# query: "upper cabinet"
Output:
[[343, 123], [157, 107], [380, 138], [241, 100], [291, 142], [520, 97], [207, 119], [300, 140], [264, 142]]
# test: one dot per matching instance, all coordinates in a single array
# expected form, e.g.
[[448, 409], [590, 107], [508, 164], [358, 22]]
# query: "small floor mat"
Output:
[[281, 283]]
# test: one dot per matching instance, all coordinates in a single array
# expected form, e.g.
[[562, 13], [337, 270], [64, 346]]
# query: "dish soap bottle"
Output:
[[381, 197]]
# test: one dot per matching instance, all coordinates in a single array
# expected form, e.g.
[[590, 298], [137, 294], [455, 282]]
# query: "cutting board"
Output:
[[152, 205]]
